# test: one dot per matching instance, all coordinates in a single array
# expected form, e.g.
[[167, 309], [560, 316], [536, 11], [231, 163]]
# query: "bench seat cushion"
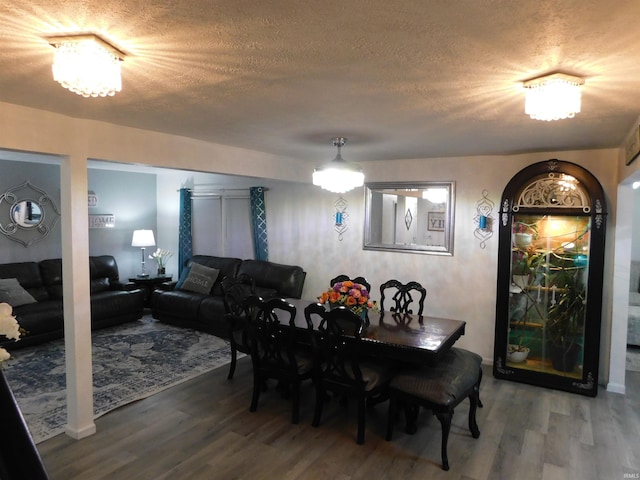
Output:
[[445, 384]]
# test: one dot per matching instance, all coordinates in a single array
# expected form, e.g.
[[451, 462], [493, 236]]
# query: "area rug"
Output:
[[633, 359], [130, 362]]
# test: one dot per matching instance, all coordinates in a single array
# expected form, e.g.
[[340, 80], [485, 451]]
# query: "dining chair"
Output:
[[340, 366], [275, 355], [402, 300], [439, 388], [235, 290], [342, 278]]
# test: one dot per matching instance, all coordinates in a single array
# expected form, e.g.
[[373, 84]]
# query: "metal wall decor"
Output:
[[107, 220], [27, 214], [483, 219], [340, 217]]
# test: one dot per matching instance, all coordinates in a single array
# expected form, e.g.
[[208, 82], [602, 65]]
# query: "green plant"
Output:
[[565, 322]]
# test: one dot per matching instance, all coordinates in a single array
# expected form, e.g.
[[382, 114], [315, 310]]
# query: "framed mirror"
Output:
[[412, 217], [27, 214]]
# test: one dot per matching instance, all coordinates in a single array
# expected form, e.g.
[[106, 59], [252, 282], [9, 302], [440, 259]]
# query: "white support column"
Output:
[[77, 304], [617, 347]]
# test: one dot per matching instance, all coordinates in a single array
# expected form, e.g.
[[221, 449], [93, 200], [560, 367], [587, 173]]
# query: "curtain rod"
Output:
[[212, 189]]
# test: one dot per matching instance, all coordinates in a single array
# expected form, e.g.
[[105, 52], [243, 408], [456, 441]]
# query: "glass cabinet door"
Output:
[[548, 293], [549, 301]]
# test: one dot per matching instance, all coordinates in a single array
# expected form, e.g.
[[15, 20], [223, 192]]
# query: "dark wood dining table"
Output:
[[399, 336]]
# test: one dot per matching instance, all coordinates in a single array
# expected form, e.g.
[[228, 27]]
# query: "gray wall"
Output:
[[131, 197], [46, 177]]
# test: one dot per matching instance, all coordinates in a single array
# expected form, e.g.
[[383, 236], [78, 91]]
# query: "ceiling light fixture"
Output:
[[338, 176], [553, 97], [87, 65]]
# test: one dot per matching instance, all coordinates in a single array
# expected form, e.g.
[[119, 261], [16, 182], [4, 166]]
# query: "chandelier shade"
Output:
[[553, 97], [87, 65], [338, 176]]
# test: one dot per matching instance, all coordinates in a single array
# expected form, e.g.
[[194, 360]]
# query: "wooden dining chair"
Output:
[[402, 300], [342, 278], [340, 365], [235, 290], [275, 355]]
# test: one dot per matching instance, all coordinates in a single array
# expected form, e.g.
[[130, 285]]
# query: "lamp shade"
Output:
[[338, 176], [143, 238]]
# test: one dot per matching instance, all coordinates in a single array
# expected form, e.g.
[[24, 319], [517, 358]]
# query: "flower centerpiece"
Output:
[[8, 327], [354, 296], [161, 256]]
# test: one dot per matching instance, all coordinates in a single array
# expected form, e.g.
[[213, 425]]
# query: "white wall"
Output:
[[458, 287]]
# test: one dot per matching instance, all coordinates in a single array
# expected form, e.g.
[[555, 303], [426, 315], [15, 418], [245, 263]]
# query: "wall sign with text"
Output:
[[435, 221], [102, 221]]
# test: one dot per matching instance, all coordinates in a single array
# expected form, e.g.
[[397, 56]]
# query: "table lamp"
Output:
[[142, 239]]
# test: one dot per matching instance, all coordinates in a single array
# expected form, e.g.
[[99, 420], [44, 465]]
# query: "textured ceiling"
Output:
[[404, 79]]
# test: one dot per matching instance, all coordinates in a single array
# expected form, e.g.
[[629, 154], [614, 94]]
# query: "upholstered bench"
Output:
[[439, 388]]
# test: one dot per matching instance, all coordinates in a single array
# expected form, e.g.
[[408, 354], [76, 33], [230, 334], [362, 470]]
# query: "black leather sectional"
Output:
[[206, 311], [112, 302]]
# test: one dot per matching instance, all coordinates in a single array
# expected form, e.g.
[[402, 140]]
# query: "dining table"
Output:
[[404, 337]]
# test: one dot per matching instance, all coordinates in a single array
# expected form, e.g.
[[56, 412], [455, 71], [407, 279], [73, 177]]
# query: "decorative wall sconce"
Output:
[[341, 216], [483, 219]]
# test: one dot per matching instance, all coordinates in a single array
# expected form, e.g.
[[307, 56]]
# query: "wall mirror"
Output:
[[413, 217], [27, 214]]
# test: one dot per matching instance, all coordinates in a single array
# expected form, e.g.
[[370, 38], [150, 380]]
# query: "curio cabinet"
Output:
[[550, 261]]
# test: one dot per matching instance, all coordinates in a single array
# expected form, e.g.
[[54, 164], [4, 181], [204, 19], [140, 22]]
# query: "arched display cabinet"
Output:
[[552, 225]]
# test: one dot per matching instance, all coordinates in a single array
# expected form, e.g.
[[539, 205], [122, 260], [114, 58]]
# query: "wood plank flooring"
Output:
[[202, 429]]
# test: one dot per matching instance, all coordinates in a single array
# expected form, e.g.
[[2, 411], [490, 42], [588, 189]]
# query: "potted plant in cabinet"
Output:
[[524, 234], [566, 317]]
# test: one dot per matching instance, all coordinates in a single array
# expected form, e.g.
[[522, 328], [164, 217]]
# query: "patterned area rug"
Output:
[[633, 359], [130, 362]]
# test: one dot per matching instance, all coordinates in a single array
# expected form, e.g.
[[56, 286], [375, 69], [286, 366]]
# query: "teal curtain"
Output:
[[259, 223], [185, 241]]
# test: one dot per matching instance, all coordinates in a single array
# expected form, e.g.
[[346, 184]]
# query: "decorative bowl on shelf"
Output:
[[517, 354]]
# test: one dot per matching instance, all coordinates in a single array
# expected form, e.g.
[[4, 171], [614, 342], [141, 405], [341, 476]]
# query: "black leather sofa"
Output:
[[206, 312], [112, 302]]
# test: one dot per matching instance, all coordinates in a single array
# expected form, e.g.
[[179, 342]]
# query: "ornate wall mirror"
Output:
[[27, 214], [413, 217]]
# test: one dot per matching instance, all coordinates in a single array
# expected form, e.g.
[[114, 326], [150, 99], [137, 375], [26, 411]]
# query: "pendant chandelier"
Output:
[[553, 97], [87, 65], [338, 176]]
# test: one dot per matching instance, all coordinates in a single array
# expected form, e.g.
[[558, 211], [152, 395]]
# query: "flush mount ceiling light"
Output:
[[553, 97], [87, 65], [338, 176]]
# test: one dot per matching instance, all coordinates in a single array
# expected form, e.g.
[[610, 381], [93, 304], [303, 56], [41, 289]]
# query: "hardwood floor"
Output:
[[202, 429]]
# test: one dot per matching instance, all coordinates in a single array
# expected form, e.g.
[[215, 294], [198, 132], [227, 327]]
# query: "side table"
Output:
[[148, 284]]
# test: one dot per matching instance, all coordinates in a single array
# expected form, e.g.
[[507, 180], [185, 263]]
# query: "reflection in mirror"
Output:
[[410, 217], [27, 213]]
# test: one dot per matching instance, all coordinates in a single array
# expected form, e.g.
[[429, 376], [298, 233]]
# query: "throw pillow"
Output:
[[200, 279], [12, 293]]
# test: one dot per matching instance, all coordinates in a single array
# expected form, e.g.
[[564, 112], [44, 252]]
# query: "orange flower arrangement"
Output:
[[350, 294]]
